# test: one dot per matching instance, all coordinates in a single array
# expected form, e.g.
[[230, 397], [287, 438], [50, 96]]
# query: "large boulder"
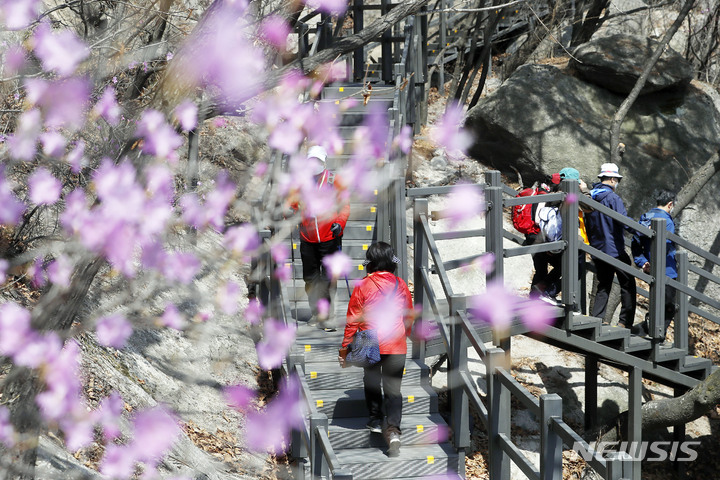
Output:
[[616, 62]]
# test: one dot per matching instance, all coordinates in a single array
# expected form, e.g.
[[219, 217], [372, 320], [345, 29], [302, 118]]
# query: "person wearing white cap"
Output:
[[320, 237], [606, 235]]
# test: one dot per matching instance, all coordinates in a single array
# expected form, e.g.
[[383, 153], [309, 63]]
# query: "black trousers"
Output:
[[628, 301], [389, 372], [317, 281]]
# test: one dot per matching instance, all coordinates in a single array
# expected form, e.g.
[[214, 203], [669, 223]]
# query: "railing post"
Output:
[[386, 47], [499, 415], [443, 41], [569, 265], [420, 207], [459, 409], [298, 449], [683, 303], [423, 79], [635, 420], [359, 53], [657, 288], [550, 443], [591, 391], [317, 464], [494, 231], [619, 465]]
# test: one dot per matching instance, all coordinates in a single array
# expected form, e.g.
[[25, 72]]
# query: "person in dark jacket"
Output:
[[665, 201], [606, 235], [321, 236], [382, 301]]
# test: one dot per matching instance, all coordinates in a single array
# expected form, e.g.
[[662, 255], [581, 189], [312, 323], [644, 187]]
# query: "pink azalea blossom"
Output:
[[113, 331], [79, 430], [159, 182], [36, 272], [276, 342], [15, 328], [227, 296], [323, 307], [7, 431], [333, 7], [181, 267], [218, 200], [571, 198], [4, 266], [275, 30], [155, 431], [495, 306], [280, 252], [426, 330], [186, 113], [117, 462], [242, 240], [338, 264], [11, 209], [536, 314], [254, 312], [60, 270], [464, 202], [53, 143], [283, 272], [269, 429], [286, 137], [450, 135], [62, 382], [239, 397], [62, 102], [172, 317], [486, 262], [109, 415], [76, 157], [107, 107], [404, 140], [18, 14], [23, 143], [159, 137], [45, 189], [60, 51], [15, 60]]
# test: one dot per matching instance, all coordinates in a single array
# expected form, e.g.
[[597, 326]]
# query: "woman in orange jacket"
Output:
[[382, 301]]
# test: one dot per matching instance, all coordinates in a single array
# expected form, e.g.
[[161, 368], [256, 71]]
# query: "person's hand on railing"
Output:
[[646, 267]]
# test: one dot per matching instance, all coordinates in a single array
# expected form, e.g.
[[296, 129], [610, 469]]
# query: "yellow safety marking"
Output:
[[308, 348], [319, 403], [360, 267], [404, 370], [373, 71], [411, 398], [341, 89], [337, 102], [430, 459], [365, 246], [288, 264], [420, 429], [294, 246], [456, 30], [375, 192], [373, 209], [432, 51], [447, 44], [313, 374]]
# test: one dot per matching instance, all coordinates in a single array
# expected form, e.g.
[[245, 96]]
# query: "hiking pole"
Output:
[[347, 283]]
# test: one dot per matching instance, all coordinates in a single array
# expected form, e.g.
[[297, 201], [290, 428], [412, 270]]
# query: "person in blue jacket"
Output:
[[665, 201], [606, 235]]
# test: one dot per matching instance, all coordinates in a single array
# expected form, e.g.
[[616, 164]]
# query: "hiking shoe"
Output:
[[313, 322], [326, 327], [374, 425], [393, 444], [548, 299]]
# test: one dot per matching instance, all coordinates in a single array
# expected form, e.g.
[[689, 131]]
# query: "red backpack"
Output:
[[523, 215]]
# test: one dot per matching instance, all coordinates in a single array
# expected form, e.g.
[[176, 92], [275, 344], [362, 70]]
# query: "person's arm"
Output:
[[354, 316], [409, 317]]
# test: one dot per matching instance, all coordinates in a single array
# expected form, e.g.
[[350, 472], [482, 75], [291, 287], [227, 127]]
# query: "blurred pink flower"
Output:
[[62, 102], [113, 330], [464, 202], [23, 143], [228, 295], [242, 239], [536, 314], [283, 272], [186, 113], [4, 266], [76, 157], [44, 187], [62, 381], [571, 198], [486, 262], [181, 267], [426, 329], [107, 107], [275, 30], [18, 14], [15, 60], [219, 199], [449, 133], [109, 415], [60, 270], [15, 328], [159, 138], [495, 306], [276, 342], [53, 143], [11, 209], [268, 429], [323, 307], [334, 7], [172, 317], [60, 51], [404, 140], [79, 429], [7, 431], [254, 312], [338, 264], [155, 431], [280, 252], [117, 462], [238, 397]]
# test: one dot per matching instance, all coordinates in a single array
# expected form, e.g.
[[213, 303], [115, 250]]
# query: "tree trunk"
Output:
[[622, 112], [695, 184]]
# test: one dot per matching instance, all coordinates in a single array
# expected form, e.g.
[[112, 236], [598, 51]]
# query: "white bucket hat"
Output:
[[319, 153], [609, 170]]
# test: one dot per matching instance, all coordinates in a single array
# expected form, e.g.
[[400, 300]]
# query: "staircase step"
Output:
[[329, 375], [582, 322], [416, 430], [610, 333], [356, 249], [636, 344], [698, 366], [665, 354], [361, 107], [324, 346], [344, 402], [346, 91], [356, 272], [413, 462]]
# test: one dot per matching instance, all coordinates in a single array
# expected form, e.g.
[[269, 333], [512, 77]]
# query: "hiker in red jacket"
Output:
[[321, 236], [382, 301]]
